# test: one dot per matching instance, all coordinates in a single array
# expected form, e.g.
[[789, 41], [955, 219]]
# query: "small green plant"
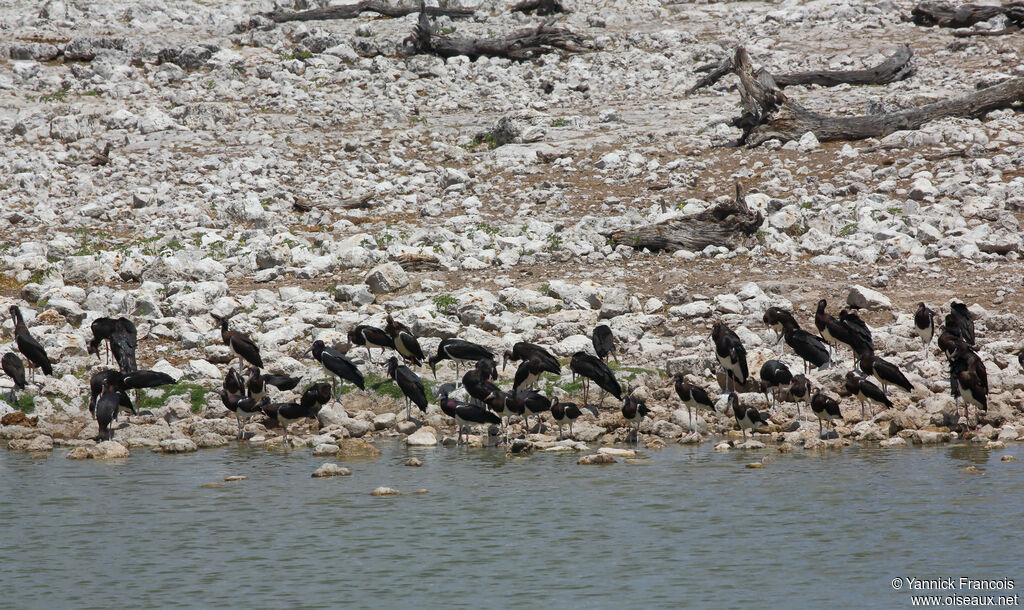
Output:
[[896, 211], [446, 31], [303, 54], [544, 288], [488, 228], [806, 205], [554, 242], [445, 302], [559, 122], [210, 84], [848, 230], [92, 93], [56, 96], [26, 403]]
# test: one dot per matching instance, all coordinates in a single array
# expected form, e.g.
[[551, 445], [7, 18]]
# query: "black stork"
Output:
[[14, 369], [748, 418], [243, 407], [504, 406], [102, 329], [255, 385], [534, 403], [370, 337], [973, 390], [526, 351], [884, 371], [811, 349], [458, 350], [477, 380], [604, 342], [335, 363], [526, 375], [465, 414], [564, 413], [102, 379], [106, 411], [864, 390], [124, 341], [800, 390], [287, 413], [774, 375], [240, 343], [29, 347], [858, 334], [406, 343], [833, 331], [282, 382], [633, 411], [592, 368], [694, 397], [964, 321], [924, 325], [410, 384], [137, 380], [777, 319], [731, 354], [825, 407]]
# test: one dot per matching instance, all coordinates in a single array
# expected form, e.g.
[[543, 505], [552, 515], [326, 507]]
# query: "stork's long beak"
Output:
[[433, 369]]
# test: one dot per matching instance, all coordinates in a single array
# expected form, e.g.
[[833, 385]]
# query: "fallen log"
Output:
[[351, 11], [541, 7], [726, 224], [522, 44], [361, 202], [895, 68], [964, 16], [770, 114]]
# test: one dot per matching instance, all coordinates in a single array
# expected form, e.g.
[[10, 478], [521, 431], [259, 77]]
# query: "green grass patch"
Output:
[[848, 230], [26, 403], [195, 392]]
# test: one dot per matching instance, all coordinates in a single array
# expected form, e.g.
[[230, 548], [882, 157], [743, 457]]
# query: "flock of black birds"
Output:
[[244, 390], [968, 379]]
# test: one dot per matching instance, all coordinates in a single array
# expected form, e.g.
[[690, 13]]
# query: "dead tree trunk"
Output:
[[895, 68], [542, 7], [523, 44], [964, 16], [769, 114], [727, 224], [351, 11]]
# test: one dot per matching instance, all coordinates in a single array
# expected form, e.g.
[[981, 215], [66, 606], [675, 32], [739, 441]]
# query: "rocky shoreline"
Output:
[[168, 161]]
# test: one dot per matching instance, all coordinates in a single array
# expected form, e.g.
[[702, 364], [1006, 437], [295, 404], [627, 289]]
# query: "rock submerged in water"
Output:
[[355, 448], [421, 438], [177, 445], [388, 491], [414, 461], [596, 459], [107, 450], [330, 470]]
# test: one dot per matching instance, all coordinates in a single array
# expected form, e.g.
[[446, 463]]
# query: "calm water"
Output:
[[689, 527]]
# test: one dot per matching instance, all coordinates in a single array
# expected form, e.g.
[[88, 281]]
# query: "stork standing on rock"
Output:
[[825, 407], [924, 326], [864, 390], [370, 337], [731, 355], [604, 342], [592, 368], [564, 413], [240, 343], [29, 347], [335, 363], [458, 351], [14, 369], [405, 342], [774, 375], [634, 411], [693, 397], [410, 384], [747, 417], [526, 351]]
